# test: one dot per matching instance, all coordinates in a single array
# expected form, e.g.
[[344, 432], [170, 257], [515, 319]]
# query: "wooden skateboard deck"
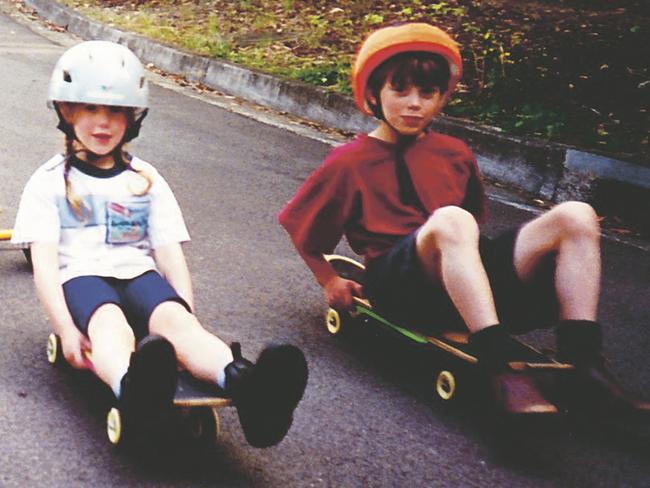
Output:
[[452, 343], [191, 392], [197, 403]]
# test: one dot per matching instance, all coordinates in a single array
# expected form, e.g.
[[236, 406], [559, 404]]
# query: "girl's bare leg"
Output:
[[202, 353], [112, 343]]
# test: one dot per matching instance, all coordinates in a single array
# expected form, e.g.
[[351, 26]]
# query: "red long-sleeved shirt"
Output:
[[355, 193]]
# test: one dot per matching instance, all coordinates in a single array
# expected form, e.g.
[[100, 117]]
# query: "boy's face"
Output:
[[410, 109], [99, 128]]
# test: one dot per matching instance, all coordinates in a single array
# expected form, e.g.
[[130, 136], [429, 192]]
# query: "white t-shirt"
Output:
[[118, 230]]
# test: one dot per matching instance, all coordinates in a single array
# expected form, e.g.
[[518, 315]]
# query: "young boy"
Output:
[[408, 200]]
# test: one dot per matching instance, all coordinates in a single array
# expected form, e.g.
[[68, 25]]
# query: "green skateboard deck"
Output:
[[452, 344]]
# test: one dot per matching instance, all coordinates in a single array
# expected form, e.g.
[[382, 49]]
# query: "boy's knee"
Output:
[[451, 225], [577, 218]]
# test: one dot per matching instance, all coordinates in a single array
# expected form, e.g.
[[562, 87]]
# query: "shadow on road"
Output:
[[158, 451], [530, 444]]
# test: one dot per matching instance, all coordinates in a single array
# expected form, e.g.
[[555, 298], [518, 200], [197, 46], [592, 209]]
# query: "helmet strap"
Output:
[[134, 127], [376, 106], [63, 125]]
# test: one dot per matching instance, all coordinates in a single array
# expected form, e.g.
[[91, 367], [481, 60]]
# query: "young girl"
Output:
[[409, 201], [105, 233]]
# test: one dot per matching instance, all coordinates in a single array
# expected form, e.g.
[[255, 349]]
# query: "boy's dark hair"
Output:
[[425, 70]]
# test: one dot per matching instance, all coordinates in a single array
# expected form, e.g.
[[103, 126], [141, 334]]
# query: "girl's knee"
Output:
[[451, 225], [577, 219], [109, 319], [171, 316]]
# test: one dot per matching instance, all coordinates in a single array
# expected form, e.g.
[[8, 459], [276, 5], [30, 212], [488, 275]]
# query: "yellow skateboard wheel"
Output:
[[445, 385], [335, 321], [114, 426], [52, 349]]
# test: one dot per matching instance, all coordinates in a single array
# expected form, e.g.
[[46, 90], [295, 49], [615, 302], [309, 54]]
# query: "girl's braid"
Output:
[[75, 202]]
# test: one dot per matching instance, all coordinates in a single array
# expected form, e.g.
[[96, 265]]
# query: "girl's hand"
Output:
[[339, 293], [74, 345]]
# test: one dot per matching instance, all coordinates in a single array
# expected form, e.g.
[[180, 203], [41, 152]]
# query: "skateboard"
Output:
[[455, 361], [5, 235], [196, 404]]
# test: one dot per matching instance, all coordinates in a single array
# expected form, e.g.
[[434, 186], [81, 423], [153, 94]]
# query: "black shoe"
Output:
[[511, 392], [267, 392], [149, 385], [592, 388]]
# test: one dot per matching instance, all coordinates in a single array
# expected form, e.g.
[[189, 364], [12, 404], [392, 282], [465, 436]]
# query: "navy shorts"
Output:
[[399, 289], [137, 297]]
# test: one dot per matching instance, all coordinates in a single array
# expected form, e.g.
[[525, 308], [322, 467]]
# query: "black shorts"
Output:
[[137, 297], [399, 289]]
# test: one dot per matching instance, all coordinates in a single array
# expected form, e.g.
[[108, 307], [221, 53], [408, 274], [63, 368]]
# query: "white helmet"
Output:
[[99, 72]]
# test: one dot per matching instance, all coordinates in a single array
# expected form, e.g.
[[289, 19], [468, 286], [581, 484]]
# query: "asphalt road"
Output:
[[366, 419]]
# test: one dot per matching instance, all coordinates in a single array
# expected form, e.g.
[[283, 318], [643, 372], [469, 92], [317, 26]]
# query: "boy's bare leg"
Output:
[[203, 354], [112, 343], [570, 230], [448, 249], [447, 245]]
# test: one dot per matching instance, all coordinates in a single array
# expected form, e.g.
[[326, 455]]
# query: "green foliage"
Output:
[[373, 19], [324, 75]]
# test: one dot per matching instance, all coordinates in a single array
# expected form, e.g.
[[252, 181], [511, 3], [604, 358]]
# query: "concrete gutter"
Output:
[[552, 172]]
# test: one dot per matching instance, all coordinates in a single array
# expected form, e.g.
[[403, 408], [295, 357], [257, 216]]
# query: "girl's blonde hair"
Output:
[[76, 203]]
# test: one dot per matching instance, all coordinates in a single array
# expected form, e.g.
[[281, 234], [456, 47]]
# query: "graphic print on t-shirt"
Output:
[[126, 222]]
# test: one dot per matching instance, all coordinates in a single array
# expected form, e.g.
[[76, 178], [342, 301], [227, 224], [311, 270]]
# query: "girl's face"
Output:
[[409, 109], [99, 128]]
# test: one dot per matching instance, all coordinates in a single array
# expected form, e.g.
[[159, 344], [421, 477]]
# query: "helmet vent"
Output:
[[142, 82], [66, 77]]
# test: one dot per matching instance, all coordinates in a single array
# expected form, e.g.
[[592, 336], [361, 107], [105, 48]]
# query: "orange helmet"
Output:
[[386, 42]]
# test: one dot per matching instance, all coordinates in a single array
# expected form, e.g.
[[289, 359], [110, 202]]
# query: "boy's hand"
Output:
[[74, 345], [339, 293]]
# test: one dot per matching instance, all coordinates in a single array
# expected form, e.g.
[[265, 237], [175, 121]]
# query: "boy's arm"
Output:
[[50, 292], [338, 291], [315, 219], [171, 262]]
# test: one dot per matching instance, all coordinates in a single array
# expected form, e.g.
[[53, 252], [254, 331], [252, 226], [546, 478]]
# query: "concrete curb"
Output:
[[550, 171]]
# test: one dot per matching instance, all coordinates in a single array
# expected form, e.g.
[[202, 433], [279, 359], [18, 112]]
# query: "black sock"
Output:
[[579, 341], [489, 345]]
